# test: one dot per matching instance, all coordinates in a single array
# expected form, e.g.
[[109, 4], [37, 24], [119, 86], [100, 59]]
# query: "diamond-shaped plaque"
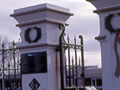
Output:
[[34, 84]]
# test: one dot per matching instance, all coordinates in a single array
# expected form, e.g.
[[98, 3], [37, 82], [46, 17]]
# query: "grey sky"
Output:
[[84, 22]]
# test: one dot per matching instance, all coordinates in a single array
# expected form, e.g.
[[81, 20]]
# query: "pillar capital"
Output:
[[103, 4], [40, 14]]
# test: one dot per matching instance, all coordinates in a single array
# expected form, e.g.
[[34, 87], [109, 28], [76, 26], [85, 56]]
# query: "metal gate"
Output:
[[10, 72], [72, 63]]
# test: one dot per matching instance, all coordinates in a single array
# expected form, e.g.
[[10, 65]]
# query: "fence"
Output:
[[72, 63], [10, 72]]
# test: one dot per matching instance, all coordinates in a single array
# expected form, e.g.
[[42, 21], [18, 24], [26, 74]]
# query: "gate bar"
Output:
[[82, 59], [76, 81], [66, 71], [14, 65], [69, 63], [61, 58], [3, 79], [73, 71]]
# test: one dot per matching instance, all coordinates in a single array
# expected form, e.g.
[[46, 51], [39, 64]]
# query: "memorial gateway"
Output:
[[46, 60]]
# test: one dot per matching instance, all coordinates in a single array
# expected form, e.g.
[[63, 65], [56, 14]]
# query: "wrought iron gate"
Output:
[[10, 72], [72, 63]]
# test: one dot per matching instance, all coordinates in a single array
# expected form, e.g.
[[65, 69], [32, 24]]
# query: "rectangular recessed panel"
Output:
[[34, 63]]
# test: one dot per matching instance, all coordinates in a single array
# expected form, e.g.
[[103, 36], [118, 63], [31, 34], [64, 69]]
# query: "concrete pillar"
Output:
[[109, 37], [40, 38]]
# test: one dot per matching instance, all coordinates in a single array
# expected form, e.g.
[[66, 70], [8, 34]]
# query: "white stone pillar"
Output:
[[109, 14], [40, 38]]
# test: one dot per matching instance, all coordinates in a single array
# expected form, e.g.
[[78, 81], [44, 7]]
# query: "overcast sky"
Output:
[[84, 22]]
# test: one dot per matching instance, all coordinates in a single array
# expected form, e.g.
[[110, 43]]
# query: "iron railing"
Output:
[[10, 67], [72, 63]]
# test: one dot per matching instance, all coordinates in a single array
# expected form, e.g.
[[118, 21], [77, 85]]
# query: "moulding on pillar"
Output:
[[104, 3], [40, 14], [48, 20], [108, 9]]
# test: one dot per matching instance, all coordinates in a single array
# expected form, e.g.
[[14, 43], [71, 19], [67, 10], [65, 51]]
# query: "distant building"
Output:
[[93, 77]]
